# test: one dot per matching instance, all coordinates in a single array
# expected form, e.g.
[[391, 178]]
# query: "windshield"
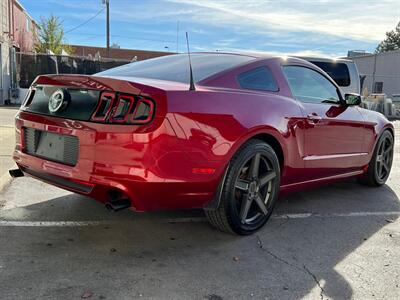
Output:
[[176, 67]]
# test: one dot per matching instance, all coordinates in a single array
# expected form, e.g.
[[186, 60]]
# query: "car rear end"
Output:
[[128, 136], [106, 138]]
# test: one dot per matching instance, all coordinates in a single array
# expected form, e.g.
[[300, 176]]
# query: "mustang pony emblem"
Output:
[[58, 101]]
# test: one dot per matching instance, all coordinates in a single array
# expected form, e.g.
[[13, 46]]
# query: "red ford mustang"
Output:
[[228, 139]]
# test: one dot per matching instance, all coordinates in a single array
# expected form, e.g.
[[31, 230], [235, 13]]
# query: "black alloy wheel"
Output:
[[384, 158], [250, 190], [253, 188], [381, 161]]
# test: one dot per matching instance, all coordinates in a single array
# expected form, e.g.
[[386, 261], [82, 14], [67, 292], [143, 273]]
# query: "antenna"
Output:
[[191, 87], [177, 37]]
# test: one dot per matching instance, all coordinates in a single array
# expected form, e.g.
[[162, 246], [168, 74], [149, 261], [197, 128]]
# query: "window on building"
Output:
[[378, 87], [28, 23], [258, 79]]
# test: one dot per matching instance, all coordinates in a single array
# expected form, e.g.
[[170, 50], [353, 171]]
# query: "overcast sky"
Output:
[[314, 27]]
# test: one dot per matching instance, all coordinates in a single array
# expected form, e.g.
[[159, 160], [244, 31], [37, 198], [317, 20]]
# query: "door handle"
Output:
[[314, 118]]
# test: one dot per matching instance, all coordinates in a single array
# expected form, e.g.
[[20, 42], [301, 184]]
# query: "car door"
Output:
[[333, 132]]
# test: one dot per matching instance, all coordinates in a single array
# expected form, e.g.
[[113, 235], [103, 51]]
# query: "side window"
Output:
[[258, 79], [308, 85]]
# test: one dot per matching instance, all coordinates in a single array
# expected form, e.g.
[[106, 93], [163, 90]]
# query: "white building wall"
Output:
[[387, 70]]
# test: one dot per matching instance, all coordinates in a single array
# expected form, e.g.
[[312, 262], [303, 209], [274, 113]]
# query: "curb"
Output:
[[5, 180]]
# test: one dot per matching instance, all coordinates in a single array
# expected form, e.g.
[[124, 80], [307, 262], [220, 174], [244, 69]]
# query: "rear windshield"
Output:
[[339, 72], [176, 67]]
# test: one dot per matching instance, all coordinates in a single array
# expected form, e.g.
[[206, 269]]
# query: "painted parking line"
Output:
[[5, 223], [304, 216], [338, 215], [12, 223]]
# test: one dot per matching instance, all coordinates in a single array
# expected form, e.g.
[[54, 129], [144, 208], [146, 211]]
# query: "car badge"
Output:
[[58, 101]]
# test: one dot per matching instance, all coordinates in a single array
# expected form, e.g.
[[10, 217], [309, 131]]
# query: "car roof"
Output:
[[325, 59], [266, 55], [284, 60], [249, 54]]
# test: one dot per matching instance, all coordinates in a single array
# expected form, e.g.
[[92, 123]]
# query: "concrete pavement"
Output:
[[338, 242], [7, 142]]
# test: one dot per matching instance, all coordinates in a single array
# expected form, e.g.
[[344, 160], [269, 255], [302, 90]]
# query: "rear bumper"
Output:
[[83, 188], [147, 164]]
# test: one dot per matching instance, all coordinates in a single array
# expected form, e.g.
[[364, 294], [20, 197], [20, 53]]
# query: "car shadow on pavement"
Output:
[[178, 255]]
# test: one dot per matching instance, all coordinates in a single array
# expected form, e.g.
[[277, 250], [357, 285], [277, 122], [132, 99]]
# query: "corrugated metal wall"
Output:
[[383, 67]]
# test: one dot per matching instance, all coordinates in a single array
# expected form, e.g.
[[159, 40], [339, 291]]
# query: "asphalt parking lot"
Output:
[[340, 242]]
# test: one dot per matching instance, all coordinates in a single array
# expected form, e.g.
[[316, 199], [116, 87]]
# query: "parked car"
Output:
[[227, 137], [343, 71]]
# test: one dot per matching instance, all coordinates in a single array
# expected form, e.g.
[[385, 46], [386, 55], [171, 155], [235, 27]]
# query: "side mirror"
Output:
[[352, 99]]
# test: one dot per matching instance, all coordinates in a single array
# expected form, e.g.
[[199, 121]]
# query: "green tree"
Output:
[[391, 42], [51, 36]]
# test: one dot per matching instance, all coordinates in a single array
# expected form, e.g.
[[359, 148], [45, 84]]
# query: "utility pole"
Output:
[[107, 2]]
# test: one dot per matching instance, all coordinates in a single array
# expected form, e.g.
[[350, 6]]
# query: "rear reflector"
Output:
[[205, 171]]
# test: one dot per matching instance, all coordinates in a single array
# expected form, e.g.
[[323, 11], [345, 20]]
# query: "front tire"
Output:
[[250, 190], [381, 162]]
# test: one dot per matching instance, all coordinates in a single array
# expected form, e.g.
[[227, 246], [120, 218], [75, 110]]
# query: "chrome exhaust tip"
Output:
[[118, 205], [16, 173]]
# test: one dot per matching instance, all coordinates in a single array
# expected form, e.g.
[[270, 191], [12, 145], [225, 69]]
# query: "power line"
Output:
[[87, 21], [143, 39], [124, 36]]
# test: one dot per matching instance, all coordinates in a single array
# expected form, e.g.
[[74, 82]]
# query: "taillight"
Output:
[[144, 111], [29, 97], [104, 107], [123, 109]]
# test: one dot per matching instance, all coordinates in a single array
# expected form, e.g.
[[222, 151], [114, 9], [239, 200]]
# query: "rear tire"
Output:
[[381, 162], [250, 190]]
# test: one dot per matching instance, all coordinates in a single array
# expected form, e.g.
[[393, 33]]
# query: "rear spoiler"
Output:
[[89, 82]]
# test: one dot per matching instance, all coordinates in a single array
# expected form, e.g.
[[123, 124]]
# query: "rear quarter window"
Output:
[[339, 72], [260, 79]]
